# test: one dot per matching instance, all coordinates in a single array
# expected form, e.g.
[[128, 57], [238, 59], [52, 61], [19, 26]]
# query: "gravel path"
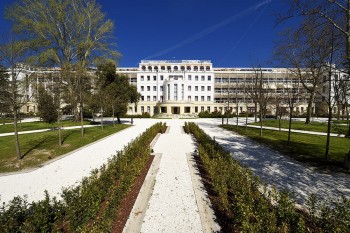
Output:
[[279, 170], [173, 207]]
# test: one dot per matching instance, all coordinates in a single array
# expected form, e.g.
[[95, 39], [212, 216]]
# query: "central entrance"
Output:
[[175, 110]]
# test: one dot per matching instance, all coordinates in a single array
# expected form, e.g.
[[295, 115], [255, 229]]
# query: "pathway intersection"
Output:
[[173, 205]]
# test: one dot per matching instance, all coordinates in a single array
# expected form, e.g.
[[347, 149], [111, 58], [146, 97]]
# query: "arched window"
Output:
[[156, 68], [150, 68], [168, 67], [207, 68], [162, 67], [182, 68], [195, 68], [202, 68], [176, 68], [188, 67], [143, 67]]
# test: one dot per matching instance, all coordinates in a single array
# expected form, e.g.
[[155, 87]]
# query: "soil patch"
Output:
[[128, 202]]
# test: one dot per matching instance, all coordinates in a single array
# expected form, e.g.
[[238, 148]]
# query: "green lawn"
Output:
[[37, 125], [300, 125], [41, 147], [303, 147]]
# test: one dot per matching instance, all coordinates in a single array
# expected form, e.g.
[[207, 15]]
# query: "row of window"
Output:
[[176, 68], [253, 80], [196, 88], [189, 98], [189, 78]]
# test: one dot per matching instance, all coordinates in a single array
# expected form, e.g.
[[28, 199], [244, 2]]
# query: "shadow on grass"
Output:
[[37, 144], [66, 136]]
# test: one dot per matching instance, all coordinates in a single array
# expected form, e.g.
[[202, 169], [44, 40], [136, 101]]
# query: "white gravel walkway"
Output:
[[173, 207], [278, 170], [70, 169]]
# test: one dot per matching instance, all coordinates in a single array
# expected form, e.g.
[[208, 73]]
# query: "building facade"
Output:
[[188, 87]]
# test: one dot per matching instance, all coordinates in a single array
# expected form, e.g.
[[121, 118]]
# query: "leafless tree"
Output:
[[14, 52], [334, 13]]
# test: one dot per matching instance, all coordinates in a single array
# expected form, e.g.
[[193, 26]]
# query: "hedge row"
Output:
[[90, 206], [244, 204]]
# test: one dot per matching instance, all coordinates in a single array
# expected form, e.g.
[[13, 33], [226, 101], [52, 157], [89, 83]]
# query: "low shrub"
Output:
[[90, 206], [244, 204]]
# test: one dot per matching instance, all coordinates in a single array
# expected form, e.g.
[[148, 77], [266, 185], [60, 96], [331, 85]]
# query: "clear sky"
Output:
[[230, 33]]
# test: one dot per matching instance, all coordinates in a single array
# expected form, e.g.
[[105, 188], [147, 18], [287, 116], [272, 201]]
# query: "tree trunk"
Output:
[[18, 150], [328, 130], [261, 124], [309, 107], [113, 115], [102, 118], [290, 122], [255, 111], [82, 120], [279, 123], [118, 118]]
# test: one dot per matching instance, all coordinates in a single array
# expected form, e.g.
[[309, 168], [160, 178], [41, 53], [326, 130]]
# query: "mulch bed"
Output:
[[128, 202]]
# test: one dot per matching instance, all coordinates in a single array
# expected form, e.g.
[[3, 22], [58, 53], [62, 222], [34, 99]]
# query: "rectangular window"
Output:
[[196, 78], [161, 78], [202, 88], [142, 78], [196, 88], [202, 98], [154, 88], [209, 88], [175, 92], [161, 88], [189, 88], [148, 88], [202, 109], [148, 98], [154, 78], [154, 98], [142, 98], [168, 89], [142, 88], [148, 109], [208, 98], [209, 78], [148, 78], [189, 98], [195, 109], [208, 109], [196, 98], [203, 78], [189, 78], [142, 109]]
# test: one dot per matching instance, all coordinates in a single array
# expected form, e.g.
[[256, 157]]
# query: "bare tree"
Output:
[[306, 51], [13, 54], [335, 13]]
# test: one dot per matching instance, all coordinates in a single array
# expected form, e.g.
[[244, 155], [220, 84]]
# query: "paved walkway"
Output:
[[277, 169], [69, 170], [298, 131], [173, 207]]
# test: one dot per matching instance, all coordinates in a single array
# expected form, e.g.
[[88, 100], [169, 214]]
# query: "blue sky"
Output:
[[230, 33]]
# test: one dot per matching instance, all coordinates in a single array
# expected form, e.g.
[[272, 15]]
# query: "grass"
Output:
[[37, 125], [300, 125], [305, 148], [42, 147]]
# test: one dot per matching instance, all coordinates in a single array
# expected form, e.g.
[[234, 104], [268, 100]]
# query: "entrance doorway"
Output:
[[175, 110]]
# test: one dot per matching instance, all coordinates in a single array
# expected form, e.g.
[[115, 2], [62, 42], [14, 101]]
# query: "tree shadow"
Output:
[[37, 144], [66, 136]]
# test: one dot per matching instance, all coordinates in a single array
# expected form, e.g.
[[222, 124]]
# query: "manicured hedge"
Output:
[[243, 204], [90, 206]]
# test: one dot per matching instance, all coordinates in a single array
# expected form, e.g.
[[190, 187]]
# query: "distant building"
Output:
[[188, 87]]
